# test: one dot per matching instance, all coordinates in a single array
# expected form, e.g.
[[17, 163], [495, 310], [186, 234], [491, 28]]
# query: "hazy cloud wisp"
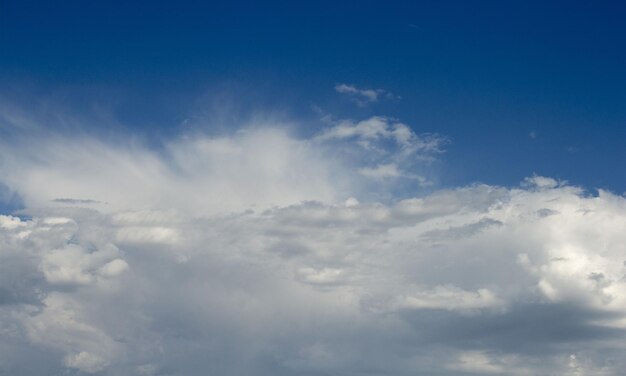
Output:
[[362, 97]]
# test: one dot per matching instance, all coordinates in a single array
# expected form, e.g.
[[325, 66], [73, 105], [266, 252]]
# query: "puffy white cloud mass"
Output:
[[250, 255]]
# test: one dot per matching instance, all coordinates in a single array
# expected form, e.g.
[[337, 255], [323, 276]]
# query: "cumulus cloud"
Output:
[[259, 253], [362, 97], [393, 150], [472, 280]]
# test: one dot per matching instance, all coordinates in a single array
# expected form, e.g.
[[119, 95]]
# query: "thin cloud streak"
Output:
[[363, 97]]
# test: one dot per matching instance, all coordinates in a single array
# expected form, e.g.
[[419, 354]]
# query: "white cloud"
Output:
[[85, 362], [476, 362], [390, 171], [381, 171], [362, 97], [392, 149], [250, 254], [256, 168], [375, 134], [325, 288], [540, 182], [453, 299]]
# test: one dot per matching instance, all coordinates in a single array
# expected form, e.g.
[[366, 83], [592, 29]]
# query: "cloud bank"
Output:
[[259, 253]]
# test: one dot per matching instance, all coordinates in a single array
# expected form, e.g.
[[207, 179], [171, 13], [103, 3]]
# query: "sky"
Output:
[[312, 188]]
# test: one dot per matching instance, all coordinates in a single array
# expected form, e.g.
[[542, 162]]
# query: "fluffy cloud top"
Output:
[[516, 281], [240, 255]]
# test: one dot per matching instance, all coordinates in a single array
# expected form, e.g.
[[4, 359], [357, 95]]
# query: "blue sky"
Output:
[[488, 75], [362, 188]]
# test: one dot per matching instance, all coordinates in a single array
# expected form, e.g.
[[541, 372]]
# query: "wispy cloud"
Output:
[[381, 171], [75, 201], [369, 133], [362, 97], [261, 165]]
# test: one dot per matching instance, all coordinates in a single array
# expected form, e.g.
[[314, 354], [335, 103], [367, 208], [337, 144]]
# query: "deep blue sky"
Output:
[[485, 74]]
